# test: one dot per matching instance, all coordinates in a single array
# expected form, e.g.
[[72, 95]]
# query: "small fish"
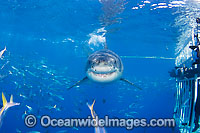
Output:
[[128, 115], [4, 65], [94, 116], [131, 105], [62, 131], [56, 108], [75, 128], [6, 106], [133, 112], [2, 77], [34, 75], [21, 94], [52, 107], [18, 131], [10, 72], [58, 96], [2, 51], [23, 116], [15, 68], [29, 108], [104, 101], [44, 66]]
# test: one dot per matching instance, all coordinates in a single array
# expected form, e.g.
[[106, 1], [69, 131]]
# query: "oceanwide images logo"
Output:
[[47, 121]]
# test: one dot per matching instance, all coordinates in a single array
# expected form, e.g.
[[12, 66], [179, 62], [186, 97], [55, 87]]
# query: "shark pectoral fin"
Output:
[[4, 100], [125, 80], [77, 83], [11, 99]]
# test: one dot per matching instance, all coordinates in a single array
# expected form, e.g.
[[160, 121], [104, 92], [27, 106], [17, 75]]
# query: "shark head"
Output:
[[104, 66]]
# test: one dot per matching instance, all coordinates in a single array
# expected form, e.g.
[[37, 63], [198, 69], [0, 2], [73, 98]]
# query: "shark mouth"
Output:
[[103, 77], [103, 74]]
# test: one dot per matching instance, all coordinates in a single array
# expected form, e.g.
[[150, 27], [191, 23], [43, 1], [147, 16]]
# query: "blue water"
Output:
[[47, 47]]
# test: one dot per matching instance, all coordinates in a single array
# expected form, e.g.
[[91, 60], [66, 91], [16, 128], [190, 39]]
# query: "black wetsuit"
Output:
[[196, 55], [197, 109]]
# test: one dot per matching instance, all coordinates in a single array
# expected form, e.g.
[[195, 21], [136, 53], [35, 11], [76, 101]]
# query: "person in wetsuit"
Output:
[[197, 114], [196, 55], [196, 49]]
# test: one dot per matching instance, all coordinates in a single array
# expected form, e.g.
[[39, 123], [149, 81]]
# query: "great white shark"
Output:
[[104, 66]]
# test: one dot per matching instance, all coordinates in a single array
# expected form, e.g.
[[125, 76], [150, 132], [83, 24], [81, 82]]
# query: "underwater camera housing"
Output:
[[187, 75]]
